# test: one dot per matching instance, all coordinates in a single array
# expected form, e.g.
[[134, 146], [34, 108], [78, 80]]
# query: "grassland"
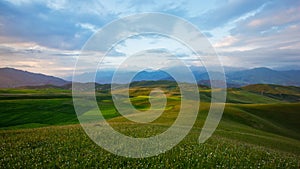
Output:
[[40, 130]]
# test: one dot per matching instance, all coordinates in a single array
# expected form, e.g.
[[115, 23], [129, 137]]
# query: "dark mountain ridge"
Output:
[[12, 78]]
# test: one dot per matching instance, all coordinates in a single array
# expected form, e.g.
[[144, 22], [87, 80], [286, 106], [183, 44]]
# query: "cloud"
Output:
[[275, 17], [264, 57], [226, 12], [49, 21], [33, 57], [48, 25], [227, 41], [37, 34], [88, 26], [271, 37]]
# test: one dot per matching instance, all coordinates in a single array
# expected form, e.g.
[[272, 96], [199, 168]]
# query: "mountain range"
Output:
[[235, 77], [264, 76]]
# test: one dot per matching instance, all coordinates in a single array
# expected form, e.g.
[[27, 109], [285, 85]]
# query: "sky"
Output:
[[47, 36]]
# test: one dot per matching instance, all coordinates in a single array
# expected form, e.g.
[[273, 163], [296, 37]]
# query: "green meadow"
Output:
[[259, 129]]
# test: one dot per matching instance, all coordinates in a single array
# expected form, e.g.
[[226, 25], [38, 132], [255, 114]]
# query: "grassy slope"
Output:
[[284, 93], [34, 91], [69, 147], [30, 108], [257, 135]]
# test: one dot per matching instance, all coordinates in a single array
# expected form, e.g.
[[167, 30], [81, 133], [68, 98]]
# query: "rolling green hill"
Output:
[[39, 129], [284, 93]]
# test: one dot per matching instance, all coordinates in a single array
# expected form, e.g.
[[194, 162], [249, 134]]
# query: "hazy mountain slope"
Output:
[[11, 78], [264, 76]]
